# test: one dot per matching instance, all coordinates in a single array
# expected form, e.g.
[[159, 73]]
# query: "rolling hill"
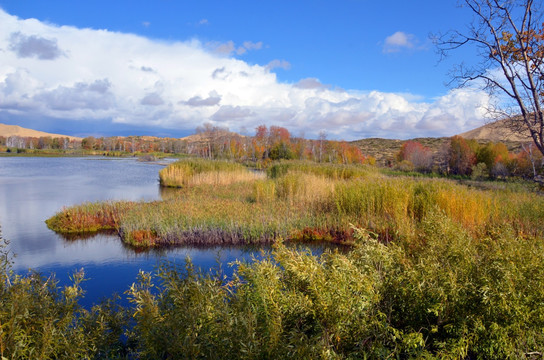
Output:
[[497, 131], [15, 130]]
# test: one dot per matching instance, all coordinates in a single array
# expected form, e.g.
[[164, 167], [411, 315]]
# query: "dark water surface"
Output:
[[34, 189]]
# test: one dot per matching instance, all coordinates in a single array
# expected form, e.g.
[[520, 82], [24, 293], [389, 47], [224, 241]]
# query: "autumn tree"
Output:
[[461, 157], [508, 36], [420, 156], [493, 155]]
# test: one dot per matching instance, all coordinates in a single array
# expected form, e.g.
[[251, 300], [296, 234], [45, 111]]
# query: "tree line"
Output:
[[212, 142]]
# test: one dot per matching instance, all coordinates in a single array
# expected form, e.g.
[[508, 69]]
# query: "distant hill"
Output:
[[385, 150], [14, 130], [218, 134], [496, 131]]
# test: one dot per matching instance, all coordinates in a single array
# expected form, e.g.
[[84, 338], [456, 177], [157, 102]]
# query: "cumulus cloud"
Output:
[[399, 41], [26, 46], [98, 75], [81, 96]]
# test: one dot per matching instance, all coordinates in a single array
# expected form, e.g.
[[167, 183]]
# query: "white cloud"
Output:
[[399, 41], [85, 75]]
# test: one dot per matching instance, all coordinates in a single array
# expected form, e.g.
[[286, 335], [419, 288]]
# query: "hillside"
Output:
[[497, 131], [14, 130], [384, 150]]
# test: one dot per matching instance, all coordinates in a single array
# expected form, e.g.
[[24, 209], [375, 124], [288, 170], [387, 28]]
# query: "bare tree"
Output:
[[509, 39]]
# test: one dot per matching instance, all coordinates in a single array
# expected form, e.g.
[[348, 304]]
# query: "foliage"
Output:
[[447, 295], [418, 155], [508, 37], [436, 270], [41, 320], [461, 157]]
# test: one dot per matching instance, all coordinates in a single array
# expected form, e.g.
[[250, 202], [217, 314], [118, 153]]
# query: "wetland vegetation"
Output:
[[436, 269]]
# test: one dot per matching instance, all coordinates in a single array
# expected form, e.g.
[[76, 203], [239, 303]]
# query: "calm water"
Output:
[[34, 189]]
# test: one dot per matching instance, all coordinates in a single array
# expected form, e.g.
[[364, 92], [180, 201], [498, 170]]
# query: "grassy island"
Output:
[[221, 202]]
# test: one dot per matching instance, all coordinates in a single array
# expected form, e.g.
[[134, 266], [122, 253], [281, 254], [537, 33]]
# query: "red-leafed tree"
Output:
[[419, 155], [461, 157]]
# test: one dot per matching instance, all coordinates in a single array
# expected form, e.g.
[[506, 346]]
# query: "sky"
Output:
[[349, 68]]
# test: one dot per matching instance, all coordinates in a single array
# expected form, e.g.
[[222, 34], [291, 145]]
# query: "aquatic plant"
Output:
[[194, 172], [298, 203]]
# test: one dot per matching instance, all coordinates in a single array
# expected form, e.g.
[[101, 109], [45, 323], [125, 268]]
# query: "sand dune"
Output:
[[496, 131], [14, 130]]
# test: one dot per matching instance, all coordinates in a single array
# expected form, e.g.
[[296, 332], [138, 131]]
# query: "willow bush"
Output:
[[448, 295], [39, 319]]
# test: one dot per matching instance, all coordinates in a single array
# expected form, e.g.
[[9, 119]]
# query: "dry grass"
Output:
[[316, 204], [196, 172]]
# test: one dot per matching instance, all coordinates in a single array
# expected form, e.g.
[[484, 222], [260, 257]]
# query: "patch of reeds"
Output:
[[194, 172], [313, 205], [89, 217], [330, 171]]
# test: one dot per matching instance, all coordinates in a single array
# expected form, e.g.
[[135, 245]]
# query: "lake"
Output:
[[32, 189]]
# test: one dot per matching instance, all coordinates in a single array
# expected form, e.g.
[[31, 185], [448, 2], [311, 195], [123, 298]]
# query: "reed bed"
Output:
[[330, 171], [195, 172], [297, 203], [89, 217]]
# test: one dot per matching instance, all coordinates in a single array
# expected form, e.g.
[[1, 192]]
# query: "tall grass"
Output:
[[89, 217], [318, 204], [194, 172]]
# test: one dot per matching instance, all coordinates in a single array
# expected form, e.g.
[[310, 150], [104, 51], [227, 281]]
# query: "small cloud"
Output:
[[310, 83], [221, 48], [34, 46], [220, 73], [253, 46], [204, 22], [229, 47], [196, 101], [399, 41], [152, 99], [146, 24], [282, 64], [241, 50]]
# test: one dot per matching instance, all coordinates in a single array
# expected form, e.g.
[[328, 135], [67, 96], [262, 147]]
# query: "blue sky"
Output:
[[352, 68]]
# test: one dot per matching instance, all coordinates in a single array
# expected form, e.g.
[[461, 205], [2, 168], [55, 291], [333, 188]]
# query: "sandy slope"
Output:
[[14, 130], [495, 131]]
